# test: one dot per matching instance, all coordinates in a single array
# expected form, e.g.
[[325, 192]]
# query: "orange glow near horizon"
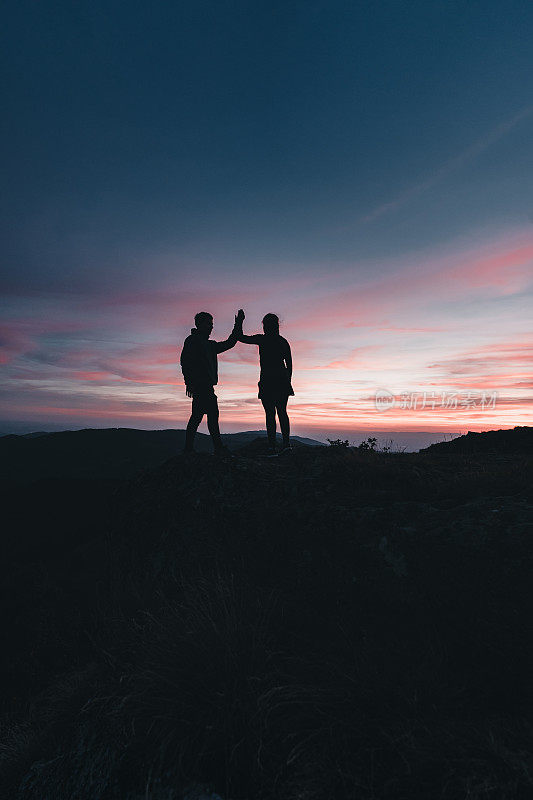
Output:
[[449, 328]]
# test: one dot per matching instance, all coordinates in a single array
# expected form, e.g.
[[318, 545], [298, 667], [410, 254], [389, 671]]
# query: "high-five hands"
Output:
[[239, 317]]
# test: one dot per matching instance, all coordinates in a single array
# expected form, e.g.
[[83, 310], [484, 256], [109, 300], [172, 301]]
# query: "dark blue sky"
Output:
[[245, 133]]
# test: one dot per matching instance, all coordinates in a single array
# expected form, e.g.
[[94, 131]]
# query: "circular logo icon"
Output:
[[383, 400]]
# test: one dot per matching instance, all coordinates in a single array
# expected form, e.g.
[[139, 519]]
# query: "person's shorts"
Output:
[[204, 401]]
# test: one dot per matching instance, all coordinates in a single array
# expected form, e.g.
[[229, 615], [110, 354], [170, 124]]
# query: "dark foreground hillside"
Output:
[[331, 624], [512, 440], [101, 453]]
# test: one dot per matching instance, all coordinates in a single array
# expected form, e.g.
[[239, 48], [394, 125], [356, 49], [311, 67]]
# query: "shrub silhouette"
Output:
[[338, 442], [369, 444]]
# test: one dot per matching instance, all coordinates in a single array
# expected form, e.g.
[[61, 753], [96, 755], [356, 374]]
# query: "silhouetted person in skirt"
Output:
[[275, 378]]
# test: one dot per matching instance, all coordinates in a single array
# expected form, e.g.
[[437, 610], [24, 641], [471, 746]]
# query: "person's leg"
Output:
[[284, 424], [197, 414], [270, 414], [212, 423]]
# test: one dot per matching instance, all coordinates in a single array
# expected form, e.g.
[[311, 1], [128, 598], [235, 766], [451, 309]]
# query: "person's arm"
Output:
[[187, 362], [233, 338], [288, 360], [254, 339]]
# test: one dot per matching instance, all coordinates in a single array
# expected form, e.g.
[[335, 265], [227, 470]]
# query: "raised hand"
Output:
[[239, 316]]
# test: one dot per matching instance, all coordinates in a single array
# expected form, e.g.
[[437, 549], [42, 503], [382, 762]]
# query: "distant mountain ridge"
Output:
[[237, 440], [103, 453], [408, 440]]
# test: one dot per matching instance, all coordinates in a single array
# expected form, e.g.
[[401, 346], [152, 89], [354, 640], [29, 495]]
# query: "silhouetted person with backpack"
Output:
[[199, 365], [275, 378]]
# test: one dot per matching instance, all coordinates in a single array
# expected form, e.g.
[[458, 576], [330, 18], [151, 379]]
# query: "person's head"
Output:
[[271, 323], [204, 322]]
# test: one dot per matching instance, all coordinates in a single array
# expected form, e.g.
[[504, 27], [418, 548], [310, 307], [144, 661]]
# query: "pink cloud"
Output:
[[497, 365], [400, 329], [91, 376], [13, 343], [21, 335], [494, 269], [358, 358], [509, 271]]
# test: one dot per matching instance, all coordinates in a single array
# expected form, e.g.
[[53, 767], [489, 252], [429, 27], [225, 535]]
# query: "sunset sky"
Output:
[[362, 169]]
